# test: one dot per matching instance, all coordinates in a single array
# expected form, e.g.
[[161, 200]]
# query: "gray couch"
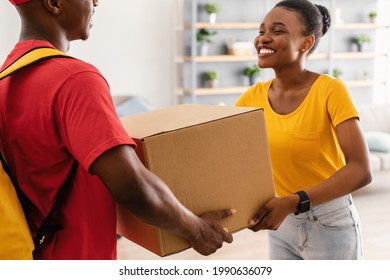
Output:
[[130, 105], [375, 123]]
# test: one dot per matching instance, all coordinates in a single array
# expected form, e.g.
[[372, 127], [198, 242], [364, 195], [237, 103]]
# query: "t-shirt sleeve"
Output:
[[242, 99], [340, 105], [251, 97], [87, 119]]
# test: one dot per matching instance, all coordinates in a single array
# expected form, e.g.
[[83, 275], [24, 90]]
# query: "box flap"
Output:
[[176, 117]]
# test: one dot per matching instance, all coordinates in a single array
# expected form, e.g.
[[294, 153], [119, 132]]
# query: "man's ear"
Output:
[[54, 6]]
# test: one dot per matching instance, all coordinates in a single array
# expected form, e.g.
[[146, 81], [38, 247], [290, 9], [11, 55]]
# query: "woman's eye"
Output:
[[261, 32]]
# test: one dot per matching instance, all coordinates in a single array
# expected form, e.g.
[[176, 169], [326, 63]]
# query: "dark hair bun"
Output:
[[326, 21]]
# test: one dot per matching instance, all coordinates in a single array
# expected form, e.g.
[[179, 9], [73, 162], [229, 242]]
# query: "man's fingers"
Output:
[[219, 215], [229, 238], [225, 213]]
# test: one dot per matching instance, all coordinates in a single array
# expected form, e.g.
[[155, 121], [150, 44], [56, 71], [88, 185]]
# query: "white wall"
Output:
[[131, 43]]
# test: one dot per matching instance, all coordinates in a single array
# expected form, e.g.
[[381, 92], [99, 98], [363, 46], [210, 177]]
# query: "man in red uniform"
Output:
[[59, 111]]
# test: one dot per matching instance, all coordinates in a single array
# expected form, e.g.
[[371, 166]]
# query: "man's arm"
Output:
[[150, 199]]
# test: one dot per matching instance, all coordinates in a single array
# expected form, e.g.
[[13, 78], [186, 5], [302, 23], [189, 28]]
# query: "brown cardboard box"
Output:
[[212, 158]]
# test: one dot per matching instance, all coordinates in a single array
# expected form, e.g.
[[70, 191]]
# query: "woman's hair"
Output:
[[315, 18]]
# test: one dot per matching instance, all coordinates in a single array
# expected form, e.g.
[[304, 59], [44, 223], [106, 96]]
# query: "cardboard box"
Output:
[[211, 157]]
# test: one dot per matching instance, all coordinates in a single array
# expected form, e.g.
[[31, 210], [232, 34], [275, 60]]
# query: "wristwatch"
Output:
[[304, 203]]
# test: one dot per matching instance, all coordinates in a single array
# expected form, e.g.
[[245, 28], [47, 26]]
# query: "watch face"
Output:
[[304, 206]]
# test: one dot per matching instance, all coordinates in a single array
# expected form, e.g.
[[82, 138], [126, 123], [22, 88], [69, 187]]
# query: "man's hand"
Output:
[[212, 235], [150, 200]]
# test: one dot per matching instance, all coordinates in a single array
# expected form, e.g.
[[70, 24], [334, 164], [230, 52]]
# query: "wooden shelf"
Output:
[[238, 58], [225, 25], [358, 26], [318, 56], [222, 58], [363, 83], [255, 25], [357, 55], [216, 91], [242, 89], [314, 56], [346, 55]]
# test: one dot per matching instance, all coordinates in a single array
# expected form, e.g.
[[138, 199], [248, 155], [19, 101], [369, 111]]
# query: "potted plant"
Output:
[[360, 41], [203, 39], [210, 79], [337, 72], [212, 9], [373, 16], [252, 72]]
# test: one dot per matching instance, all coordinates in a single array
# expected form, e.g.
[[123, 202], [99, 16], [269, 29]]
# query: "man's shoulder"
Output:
[[72, 65]]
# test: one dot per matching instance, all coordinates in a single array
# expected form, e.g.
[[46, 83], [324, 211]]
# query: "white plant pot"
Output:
[[203, 49], [213, 18], [211, 83]]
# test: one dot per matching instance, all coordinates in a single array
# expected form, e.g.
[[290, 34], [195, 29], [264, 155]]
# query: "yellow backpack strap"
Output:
[[31, 57]]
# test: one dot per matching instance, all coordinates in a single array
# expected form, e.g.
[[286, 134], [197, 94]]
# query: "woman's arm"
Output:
[[357, 171], [354, 175]]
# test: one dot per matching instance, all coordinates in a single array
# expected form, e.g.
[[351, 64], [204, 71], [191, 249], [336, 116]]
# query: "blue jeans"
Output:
[[330, 231]]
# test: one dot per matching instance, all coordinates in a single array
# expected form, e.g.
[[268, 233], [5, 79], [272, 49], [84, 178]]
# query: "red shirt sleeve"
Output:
[[87, 119]]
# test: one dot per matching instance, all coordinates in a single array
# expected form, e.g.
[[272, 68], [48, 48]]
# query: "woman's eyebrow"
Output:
[[277, 23]]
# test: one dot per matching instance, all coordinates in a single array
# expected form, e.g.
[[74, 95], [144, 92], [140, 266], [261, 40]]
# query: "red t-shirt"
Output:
[[52, 113]]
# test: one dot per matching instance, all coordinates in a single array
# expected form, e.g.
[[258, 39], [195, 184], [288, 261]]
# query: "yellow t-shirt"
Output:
[[303, 144]]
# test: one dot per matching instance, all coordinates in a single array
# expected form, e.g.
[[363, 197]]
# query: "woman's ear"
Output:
[[54, 6], [308, 43]]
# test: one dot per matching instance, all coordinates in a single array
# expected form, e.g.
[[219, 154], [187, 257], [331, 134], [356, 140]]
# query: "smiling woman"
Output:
[[317, 149]]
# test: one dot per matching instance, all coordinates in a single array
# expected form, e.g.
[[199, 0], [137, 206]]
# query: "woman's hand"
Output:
[[273, 213]]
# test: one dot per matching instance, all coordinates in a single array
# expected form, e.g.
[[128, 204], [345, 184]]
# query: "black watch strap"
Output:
[[304, 204]]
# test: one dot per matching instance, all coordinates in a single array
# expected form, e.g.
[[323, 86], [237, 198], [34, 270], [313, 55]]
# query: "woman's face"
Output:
[[280, 41], [76, 18]]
